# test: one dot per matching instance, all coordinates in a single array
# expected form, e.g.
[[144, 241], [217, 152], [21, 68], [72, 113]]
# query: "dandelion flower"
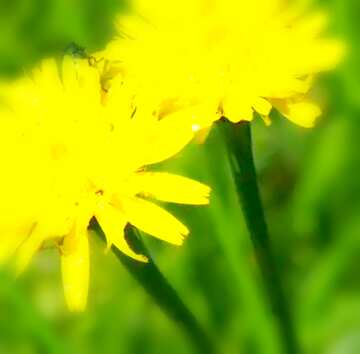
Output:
[[215, 58], [70, 155]]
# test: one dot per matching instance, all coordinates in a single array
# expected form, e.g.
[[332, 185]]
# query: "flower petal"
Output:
[[154, 220], [303, 113], [172, 188], [167, 137], [75, 270], [27, 250], [8, 246], [69, 74], [262, 106], [238, 108], [47, 77], [113, 222]]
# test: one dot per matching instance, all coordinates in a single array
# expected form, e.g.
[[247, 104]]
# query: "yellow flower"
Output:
[[70, 155], [214, 58]]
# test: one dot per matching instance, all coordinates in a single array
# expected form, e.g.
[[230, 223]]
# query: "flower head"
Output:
[[71, 154], [214, 58]]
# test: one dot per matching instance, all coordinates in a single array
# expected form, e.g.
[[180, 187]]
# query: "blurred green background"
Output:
[[310, 187]]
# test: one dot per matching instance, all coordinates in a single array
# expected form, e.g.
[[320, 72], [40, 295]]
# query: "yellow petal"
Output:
[[312, 25], [326, 55], [75, 270], [266, 120], [69, 74], [336, 51], [8, 246], [89, 79], [201, 134], [262, 106], [47, 77], [172, 188], [303, 113], [28, 249], [237, 109], [154, 220], [167, 138], [113, 222]]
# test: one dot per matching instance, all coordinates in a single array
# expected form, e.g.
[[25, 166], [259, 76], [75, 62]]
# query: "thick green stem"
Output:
[[239, 144], [156, 285]]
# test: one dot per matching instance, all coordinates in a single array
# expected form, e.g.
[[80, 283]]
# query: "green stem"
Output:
[[156, 285], [239, 144]]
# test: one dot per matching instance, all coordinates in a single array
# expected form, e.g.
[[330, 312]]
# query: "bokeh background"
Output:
[[310, 187]]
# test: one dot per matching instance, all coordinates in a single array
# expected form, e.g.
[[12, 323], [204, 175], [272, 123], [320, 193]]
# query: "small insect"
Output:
[[107, 69], [78, 52]]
